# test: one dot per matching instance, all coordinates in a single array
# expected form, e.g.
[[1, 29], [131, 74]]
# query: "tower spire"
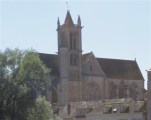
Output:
[[79, 20], [70, 56], [68, 19], [58, 24]]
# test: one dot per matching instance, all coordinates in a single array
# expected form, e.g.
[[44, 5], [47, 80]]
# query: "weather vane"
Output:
[[67, 5]]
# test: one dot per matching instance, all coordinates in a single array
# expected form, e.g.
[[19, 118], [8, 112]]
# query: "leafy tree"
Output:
[[41, 110], [22, 77]]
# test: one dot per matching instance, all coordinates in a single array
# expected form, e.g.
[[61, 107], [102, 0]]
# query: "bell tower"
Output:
[[69, 52], [149, 95]]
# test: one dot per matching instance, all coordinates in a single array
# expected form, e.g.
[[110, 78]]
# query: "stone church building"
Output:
[[149, 95], [85, 77]]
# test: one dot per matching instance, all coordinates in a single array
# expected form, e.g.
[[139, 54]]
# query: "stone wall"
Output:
[[93, 88], [120, 116], [133, 88]]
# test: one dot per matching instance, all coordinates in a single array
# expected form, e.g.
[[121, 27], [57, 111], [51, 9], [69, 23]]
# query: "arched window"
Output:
[[63, 41], [54, 96], [73, 59], [133, 91], [112, 90], [92, 92], [91, 68], [72, 41], [122, 90]]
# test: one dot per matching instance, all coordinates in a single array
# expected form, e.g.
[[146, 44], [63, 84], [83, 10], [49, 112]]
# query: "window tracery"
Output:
[[122, 90], [73, 59], [92, 92], [133, 91], [112, 90], [72, 41]]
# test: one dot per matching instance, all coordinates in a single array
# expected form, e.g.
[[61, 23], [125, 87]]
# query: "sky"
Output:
[[118, 29]]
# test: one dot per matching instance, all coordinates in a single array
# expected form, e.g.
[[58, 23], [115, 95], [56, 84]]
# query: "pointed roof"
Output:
[[90, 60], [68, 19], [79, 20], [58, 22], [86, 57]]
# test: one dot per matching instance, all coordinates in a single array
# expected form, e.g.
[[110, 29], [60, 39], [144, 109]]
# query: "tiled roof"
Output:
[[121, 69]]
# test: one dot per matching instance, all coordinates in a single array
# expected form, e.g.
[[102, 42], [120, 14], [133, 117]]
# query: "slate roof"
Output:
[[121, 69], [51, 61], [113, 68]]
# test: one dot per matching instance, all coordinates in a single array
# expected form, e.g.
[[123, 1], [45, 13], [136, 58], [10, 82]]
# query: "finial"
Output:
[[67, 5], [68, 19], [58, 22], [79, 20]]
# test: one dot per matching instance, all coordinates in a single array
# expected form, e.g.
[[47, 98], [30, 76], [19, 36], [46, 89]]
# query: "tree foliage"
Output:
[[41, 110], [22, 77]]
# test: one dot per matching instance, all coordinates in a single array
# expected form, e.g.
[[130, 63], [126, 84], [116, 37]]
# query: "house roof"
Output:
[[87, 105], [113, 68], [115, 105], [121, 69]]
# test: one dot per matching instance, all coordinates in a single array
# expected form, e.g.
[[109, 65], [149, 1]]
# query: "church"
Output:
[[84, 77]]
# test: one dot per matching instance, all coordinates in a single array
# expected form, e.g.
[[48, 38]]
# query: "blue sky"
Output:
[[119, 29]]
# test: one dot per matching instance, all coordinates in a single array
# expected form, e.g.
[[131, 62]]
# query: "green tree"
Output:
[[22, 77], [41, 110]]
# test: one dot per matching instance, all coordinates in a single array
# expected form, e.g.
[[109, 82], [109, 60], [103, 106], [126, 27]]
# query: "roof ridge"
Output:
[[47, 54], [116, 59], [86, 53]]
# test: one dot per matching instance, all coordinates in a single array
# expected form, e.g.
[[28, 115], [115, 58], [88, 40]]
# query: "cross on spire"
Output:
[[67, 5]]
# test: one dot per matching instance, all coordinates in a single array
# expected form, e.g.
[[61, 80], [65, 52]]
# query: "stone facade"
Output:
[[79, 77], [70, 53], [125, 89]]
